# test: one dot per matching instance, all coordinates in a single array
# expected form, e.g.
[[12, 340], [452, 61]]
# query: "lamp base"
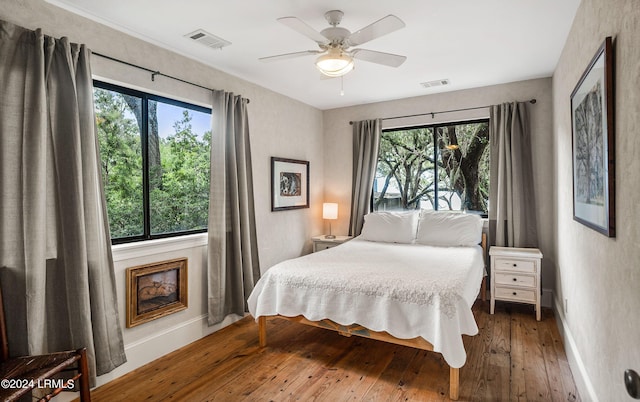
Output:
[[329, 237]]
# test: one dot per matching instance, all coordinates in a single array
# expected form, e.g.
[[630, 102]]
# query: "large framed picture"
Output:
[[156, 290], [592, 120], [289, 184]]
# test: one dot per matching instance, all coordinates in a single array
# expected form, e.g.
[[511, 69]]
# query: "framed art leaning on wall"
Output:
[[289, 184], [592, 121]]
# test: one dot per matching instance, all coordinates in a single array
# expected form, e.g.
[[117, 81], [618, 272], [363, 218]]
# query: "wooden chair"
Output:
[[21, 375]]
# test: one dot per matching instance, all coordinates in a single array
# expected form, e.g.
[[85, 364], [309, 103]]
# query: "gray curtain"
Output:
[[56, 266], [366, 142], [233, 267], [512, 209]]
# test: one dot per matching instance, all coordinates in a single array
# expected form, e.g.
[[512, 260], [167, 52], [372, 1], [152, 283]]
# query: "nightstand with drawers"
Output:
[[323, 243], [515, 276]]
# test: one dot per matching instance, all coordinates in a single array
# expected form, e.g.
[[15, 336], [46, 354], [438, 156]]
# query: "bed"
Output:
[[409, 278]]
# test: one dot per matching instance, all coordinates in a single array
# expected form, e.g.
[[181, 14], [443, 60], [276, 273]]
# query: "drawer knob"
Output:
[[515, 293], [515, 265], [515, 279]]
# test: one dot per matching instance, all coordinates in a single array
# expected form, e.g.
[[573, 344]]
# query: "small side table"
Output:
[[322, 243], [515, 276]]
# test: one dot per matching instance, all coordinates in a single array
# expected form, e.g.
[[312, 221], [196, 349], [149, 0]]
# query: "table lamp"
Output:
[[330, 212]]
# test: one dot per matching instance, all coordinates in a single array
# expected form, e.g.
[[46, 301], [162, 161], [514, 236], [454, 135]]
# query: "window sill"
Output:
[[128, 251]]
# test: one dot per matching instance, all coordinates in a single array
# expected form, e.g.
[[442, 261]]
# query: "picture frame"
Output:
[[289, 184], [156, 290], [593, 151]]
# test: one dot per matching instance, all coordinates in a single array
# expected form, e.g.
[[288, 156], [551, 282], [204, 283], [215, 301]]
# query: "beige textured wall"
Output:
[[600, 277], [338, 144]]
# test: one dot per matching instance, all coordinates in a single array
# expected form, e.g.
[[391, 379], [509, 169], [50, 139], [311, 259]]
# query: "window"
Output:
[[155, 163], [438, 167]]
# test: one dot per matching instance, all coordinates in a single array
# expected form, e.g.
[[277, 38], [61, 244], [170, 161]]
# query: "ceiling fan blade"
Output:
[[379, 28], [302, 27], [289, 55], [387, 59]]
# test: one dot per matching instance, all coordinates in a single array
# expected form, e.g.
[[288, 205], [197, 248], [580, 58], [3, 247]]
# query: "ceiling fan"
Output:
[[336, 56]]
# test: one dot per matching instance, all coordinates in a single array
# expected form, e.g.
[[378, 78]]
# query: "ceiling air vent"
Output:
[[435, 83], [207, 39]]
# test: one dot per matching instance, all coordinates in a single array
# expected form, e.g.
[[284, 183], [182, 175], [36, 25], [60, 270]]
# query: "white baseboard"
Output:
[[580, 376]]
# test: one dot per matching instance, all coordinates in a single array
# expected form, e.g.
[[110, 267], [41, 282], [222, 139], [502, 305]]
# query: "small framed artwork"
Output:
[[156, 290], [593, 144], [289, 184]]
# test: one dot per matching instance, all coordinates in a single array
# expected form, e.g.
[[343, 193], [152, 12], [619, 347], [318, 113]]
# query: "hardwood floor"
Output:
[[513, 358]]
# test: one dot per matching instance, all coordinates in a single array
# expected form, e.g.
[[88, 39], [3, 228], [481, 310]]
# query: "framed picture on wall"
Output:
[[156, 290], [289, 184], [593, 144]]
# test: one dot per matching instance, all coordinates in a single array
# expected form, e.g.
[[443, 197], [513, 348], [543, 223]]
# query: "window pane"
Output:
[[463, 167], [409, 161], [118, 121], [179, 141], [405, 170]]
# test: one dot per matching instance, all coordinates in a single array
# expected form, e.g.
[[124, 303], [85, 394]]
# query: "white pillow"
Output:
[[390, 227], [449, 229]]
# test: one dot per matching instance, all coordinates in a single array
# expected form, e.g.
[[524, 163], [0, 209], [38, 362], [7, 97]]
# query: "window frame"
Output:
[[434, 127], [144, 139]]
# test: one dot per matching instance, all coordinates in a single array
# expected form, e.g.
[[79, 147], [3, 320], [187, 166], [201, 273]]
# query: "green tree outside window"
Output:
[[174, 145], [440, 167]]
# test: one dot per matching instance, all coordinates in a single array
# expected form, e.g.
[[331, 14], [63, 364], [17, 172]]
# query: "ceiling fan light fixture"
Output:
[[335, 63]]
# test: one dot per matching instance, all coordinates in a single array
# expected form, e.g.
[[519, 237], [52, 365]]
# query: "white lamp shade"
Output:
[[334, 63], [329, 210]]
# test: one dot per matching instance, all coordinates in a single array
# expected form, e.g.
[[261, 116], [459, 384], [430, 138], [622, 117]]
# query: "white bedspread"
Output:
[[407, 290]]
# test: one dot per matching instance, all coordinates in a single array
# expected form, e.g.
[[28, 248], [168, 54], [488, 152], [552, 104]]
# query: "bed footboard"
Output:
[[348, 330]]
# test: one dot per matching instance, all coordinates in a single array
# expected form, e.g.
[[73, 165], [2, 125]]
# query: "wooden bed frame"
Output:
[[355, 329]]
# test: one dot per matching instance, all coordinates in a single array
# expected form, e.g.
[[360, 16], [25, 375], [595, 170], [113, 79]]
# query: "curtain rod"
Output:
[[153, 72], [532, 101]]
